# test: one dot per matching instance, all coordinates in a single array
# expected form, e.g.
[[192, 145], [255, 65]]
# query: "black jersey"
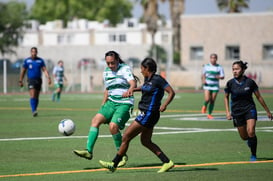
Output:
[[241, 95], [152, 93]]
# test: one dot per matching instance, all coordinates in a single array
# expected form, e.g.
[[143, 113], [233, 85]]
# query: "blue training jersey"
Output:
[[34, 67]]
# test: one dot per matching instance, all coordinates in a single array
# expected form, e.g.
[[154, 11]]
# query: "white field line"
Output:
[[170, 130]]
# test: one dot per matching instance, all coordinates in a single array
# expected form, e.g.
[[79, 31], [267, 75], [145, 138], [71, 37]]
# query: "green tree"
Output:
[[232, 6], [114, 11], [12, 16]]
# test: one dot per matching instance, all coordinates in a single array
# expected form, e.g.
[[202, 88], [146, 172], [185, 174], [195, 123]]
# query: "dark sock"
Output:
[[116, 160], [163, 158], [252, 143]]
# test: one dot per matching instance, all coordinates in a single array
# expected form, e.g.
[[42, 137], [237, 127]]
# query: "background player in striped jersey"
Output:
[[243, 109], [211, 74], [116, 106], [59, 77]]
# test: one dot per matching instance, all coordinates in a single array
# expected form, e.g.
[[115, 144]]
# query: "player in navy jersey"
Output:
[[150, 107], [34, 66], [243, 109]]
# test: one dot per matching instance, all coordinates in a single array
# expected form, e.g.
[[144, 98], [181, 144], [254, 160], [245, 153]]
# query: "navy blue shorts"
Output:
[[148, 119], [241, 119], [35, 84]]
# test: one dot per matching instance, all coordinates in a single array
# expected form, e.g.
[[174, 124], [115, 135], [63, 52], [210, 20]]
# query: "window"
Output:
[[232, 52], [196, 53], [122, 38], [112, 38], [60, 39], [268, 52]]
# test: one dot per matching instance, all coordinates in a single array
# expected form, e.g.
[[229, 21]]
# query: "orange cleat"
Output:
[[210, 116]]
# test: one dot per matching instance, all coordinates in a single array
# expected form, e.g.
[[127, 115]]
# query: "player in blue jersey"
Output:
[[59, 77], [34, 66], [243, 109], [150, 107], [117, 104], [212, 73]]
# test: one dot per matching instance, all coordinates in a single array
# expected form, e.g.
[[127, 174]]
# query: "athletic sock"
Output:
[[116, 160], [32, 104], [205, 104], [117, 140], [163, 158], [92, 138], [53, 96], [211, 107], [252, 143], [58, 96]]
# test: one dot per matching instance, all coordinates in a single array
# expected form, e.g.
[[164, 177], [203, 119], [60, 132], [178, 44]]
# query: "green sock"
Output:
[[92, 138], [205, 104], [117, 140], [211, 107], [58, 96]]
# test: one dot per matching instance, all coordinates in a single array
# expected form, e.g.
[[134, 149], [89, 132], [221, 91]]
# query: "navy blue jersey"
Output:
[[241, 95], [34, 67], [152, 93]]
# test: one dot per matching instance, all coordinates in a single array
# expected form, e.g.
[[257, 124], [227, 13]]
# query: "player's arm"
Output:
[[22, 75], [226, 100], [46, 74], [105, 97], [262, 102], [169, 99]]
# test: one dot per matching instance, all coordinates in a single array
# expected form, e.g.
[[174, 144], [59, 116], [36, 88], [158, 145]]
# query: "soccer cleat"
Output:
[[166, 167], [108, 165], [204, 109], [253, 158], [209, 116], [123, 161], [84, 154], [35, 113]]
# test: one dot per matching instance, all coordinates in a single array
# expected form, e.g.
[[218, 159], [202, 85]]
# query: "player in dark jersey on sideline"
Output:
[[243, 108], [150, 107], [34, 66]]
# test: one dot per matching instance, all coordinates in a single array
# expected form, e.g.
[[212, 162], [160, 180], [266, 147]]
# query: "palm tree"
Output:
[[232, 6], [150, 17], [176, 10]]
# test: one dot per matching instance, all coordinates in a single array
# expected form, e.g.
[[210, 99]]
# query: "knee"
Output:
[[145, 142]]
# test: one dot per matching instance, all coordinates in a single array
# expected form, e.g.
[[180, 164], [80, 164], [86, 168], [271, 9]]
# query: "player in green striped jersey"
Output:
[[59, 77], [212, 73], [116, 106]]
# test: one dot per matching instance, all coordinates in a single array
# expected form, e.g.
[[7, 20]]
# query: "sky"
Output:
[[195, 7]]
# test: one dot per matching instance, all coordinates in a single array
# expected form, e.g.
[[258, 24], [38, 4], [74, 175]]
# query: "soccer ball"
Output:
[[66, 127]]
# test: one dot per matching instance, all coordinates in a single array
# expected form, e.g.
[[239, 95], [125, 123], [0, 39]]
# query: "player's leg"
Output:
[[213, 96], [252, 138], [146, 140], [206, 101], [132, 131]]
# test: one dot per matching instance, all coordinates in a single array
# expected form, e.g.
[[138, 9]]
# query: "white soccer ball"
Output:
[[66, 127]]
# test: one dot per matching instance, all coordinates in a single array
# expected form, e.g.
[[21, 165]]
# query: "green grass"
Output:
[[41, 149]]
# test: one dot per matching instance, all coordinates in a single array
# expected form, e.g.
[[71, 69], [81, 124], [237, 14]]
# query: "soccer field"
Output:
[[32, 149]]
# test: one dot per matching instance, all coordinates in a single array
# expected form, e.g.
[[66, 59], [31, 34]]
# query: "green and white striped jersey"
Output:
[[117, 83], [211, 71], [58, 73]]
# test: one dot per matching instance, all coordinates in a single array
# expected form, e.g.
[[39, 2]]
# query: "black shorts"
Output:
[[35, 84], [148, 119], [241, 119]]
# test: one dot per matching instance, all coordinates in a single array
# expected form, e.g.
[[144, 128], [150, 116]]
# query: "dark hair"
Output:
[[34, 48], [214, 55], [115, 55], [150, 64], [242, 64]]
